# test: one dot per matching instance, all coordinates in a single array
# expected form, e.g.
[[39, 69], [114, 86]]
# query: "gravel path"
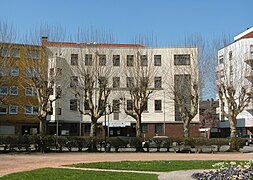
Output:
[[10, 163]]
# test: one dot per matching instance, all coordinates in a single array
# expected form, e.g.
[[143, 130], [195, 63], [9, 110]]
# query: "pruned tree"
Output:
[[39, 77], [139, 73], [188, 68], [233, 82]]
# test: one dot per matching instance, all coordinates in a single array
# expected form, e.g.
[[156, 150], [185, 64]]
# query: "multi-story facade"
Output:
[[19, 105], [235, 68], [160, 116]]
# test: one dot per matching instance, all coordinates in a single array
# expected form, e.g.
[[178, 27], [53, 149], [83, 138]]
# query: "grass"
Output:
[[156, 166], [62, 174]]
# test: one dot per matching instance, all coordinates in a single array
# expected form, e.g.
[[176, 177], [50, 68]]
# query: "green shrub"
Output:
[[117, 142], [137, 143], [237, 143]]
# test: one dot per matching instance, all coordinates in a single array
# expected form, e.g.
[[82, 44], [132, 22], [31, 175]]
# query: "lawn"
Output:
[[157, 166], [62, 174]]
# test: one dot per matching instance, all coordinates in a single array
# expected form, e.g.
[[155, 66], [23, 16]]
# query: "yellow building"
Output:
[[18, 97]]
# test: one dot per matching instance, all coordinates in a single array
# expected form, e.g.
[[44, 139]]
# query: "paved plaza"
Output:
[[10, 163]]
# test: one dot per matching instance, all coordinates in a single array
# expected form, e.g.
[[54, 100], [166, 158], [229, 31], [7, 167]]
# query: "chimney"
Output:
[[44, 40]]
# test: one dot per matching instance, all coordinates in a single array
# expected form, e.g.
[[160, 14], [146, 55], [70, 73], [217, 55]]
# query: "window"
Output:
[[31, 72], [15, 53], [33, 54], [116, 60], [129, 105], [88, 59], [74, 59], [116, 82], [158, 105], [144, 82], [73, 81], [102, 60], [58, 111], [130, 82], [4, 72], [3, 109], [30, 91], [158, 82], [5, 52], [3, 90], [14, 90], [230, 56], [13, 109], [59, 71], [145, 107], [130, 60], [144, 128], [158, 128], [182, 59], [51, 71], [144, 60], [102, 81], [73, 104], [14, 71], [116, 105], [86, 105], [157, 60], [32, 110]]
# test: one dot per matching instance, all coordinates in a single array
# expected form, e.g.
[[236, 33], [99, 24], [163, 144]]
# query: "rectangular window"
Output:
[[58, 71], [158, 128], [74, 59], [116, 105], [230, 56], [33, 54], [129, 105], [145, 108], [144, 82], [221, 60], [130, 82], [102, 81], [102, 60], [58, 111], [130, 60], [14, 71], [5, 52], [30, 91], [73, 81], [182, 59], [157, 60], [13, 109], [158, 105], [51, 71], [116, 82], [144, 60], [31, 72], [88, 59], [3, 109], [116, 60], [3, 90], [32, 110], [14, 90], [158, 82], [73, 105], [86, 105], [15, 53], [144, 128]]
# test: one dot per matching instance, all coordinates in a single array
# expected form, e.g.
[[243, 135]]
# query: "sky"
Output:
[[167, 21]]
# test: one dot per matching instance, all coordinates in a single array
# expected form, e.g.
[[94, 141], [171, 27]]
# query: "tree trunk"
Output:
[[43, 125], [186, 127], [93, 129], [233, 122], [138, 126]]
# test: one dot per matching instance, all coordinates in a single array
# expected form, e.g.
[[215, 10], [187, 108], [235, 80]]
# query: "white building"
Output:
[[158, 119], [235, 63]]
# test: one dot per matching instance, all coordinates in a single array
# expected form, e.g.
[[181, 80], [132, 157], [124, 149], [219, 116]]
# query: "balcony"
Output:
[[249, 74], [219, 67], [248, 58]]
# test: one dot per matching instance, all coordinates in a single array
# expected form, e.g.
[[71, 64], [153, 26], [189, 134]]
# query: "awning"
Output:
[[117, 123]]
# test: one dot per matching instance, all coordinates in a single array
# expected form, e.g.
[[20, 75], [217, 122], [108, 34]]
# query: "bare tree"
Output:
[[233, 82], [189, 71], [139, 73]]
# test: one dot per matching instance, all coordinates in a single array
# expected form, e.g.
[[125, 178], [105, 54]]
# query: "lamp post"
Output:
[[105, 129]]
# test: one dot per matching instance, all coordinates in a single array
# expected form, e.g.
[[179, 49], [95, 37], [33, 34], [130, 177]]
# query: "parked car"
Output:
[[248, 138]]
